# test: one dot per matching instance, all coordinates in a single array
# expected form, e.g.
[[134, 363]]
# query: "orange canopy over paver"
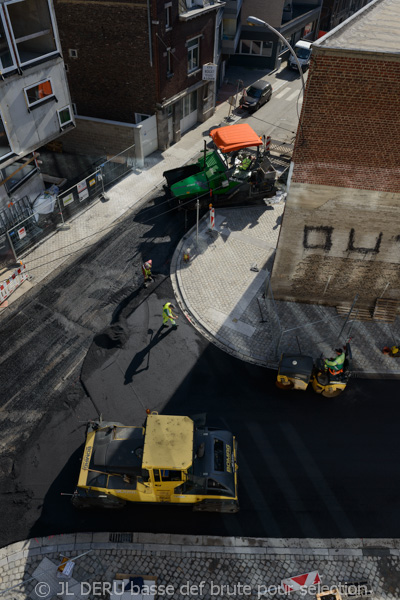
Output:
[[235, 137]]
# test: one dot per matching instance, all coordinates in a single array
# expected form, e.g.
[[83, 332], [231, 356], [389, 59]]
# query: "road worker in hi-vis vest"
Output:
[[168, 315], [146, 270], [335, 365]]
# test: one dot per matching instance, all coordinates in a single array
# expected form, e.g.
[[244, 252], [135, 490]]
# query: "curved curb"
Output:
[[194, 318], [166, 542], [202, 326]]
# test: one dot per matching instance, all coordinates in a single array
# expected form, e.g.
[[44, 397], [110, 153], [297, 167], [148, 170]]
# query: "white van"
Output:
[[303, 53]]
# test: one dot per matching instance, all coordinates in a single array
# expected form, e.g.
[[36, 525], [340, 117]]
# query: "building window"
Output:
[[5, 148], [168, 16], [284, 47], [64, 116], [32, 30], [7, 58], [73, 53], [266, 49], [255, 47], [170, 70], [189, 104], [38, 93], [193, 47], [17, 173]]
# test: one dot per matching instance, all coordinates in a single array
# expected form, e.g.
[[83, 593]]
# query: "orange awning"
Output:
[[235, 137]]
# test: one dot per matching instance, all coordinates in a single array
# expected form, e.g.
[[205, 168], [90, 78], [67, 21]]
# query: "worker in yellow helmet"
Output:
[[168, 315]]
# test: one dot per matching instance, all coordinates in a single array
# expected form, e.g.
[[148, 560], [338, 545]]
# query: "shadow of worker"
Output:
[[139, 357]]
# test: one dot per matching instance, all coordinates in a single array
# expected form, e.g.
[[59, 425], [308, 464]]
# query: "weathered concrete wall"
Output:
[[336, 243], [98, 138]]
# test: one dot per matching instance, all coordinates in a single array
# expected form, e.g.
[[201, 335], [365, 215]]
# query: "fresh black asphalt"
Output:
[[308, 466]]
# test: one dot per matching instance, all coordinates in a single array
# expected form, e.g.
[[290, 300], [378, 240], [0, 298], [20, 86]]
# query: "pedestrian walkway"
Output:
[[87, 227], [222, 290], [200, 566]]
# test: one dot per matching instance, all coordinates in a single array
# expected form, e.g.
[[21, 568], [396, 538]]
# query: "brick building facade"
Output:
[[340, 234], [335, 12], [128, 60]]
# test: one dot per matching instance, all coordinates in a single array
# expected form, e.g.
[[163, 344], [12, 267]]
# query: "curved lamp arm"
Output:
[[260, 23]]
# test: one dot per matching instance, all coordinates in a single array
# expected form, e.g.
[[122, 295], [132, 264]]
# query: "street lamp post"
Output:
[[256, 21]]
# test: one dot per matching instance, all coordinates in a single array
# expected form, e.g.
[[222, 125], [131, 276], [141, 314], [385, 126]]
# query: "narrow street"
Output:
[[199, 300], [308, 466]]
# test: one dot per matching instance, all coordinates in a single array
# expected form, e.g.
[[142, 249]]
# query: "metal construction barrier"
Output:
[[9, 285], [116, 167], [15, 212], [24, 233], [77, 197], [31, 230]]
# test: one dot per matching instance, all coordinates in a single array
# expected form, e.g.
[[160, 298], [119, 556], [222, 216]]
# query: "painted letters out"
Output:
[[323, 234], [320, 238], [360, 250]]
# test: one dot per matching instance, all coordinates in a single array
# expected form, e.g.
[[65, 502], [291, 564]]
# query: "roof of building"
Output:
[[374, 28]]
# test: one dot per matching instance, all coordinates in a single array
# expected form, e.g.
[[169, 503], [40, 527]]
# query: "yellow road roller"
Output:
[[297, 371], [172, 460]]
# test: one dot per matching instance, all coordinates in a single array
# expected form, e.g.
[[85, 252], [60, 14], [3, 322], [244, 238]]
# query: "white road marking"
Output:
[[293, 96], [282, 93], [278, 86]]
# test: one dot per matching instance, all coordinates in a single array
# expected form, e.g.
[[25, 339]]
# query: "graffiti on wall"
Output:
[[352, 248], [320, 238], [317, 238]]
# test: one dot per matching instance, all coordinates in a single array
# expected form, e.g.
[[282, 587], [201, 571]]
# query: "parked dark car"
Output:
[[256, 95]]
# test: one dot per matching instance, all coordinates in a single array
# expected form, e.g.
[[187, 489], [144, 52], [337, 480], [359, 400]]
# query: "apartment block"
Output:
[[258, 47], [35, 106], [138, 65]]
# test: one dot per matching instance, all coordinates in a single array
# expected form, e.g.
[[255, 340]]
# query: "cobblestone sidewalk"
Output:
[[221, 290], [198, 566]]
